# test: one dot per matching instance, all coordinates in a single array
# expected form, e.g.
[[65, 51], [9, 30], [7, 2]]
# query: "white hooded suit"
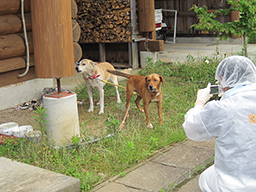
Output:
[[232, 121]]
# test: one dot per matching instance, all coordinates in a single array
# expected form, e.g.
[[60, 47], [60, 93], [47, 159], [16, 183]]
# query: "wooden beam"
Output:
[[151, 45]]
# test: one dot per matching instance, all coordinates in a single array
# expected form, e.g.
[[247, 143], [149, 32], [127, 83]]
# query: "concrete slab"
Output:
[[191, 186], [185, 156], [204, 144], [116, 187], [153, 177], [21, 177]]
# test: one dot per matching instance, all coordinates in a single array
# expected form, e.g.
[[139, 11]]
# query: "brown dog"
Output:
[[147, 88]]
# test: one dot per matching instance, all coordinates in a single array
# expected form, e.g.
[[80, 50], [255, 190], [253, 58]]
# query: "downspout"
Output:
[[26, 39]]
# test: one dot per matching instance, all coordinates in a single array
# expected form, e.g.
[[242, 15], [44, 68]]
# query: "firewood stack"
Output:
[[104, 21]]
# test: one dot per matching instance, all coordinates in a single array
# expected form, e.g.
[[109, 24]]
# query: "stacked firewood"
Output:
[[104, 21]]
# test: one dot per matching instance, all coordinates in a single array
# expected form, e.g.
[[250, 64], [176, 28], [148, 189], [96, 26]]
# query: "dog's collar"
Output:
[[94, 76]]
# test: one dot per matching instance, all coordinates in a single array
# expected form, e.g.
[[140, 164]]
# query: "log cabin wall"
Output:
[[12, 45], [185, 17]]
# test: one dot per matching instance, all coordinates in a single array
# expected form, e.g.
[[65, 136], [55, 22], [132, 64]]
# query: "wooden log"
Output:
[[104, 21], [11, 46], [15, 63], [153, 45], [10, 24], [12, 77], [52, 38], [8, 7], [76, 31], [77, 52], [146, 12], [73, 9]]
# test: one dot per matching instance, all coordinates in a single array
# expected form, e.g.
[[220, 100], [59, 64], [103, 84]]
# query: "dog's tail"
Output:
[[119, 73]]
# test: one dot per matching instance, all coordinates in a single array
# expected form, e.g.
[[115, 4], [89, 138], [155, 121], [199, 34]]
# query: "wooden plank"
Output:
[[12, 77], [153, 45]]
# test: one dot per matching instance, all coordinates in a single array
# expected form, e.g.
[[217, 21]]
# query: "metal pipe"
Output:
[[58, 85], [175, 22]]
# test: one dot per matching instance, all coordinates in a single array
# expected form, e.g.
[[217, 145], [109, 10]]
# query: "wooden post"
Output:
[[234, 17], [102, 52], [133, 47], [52, 38], [146, 15]]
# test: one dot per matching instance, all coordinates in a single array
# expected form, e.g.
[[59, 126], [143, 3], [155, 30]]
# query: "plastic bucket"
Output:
[[7, 128], [20, 131]]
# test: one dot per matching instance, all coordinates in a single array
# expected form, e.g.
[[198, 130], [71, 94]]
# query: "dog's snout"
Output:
[[77, 69], [151, 88]]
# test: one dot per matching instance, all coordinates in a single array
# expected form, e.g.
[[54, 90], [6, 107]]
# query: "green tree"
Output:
[[243, 27]]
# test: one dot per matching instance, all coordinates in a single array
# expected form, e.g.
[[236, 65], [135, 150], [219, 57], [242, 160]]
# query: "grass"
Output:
[[98, 161]]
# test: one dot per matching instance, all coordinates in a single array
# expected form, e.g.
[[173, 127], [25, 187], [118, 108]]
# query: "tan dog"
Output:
[[148, 89], [94, 72]]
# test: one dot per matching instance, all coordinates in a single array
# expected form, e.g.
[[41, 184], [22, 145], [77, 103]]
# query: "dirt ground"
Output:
[[22, 117], [90, 122]]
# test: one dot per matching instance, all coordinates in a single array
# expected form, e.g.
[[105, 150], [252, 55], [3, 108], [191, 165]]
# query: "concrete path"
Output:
[[165, 170], [199, 48]]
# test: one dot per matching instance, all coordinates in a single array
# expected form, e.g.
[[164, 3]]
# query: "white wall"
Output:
[[12, 95]]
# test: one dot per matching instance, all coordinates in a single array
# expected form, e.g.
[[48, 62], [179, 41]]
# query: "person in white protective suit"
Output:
[[232, 122]]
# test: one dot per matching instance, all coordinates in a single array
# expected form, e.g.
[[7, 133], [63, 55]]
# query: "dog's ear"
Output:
[[93, 63], [146, 80], [162, 79]]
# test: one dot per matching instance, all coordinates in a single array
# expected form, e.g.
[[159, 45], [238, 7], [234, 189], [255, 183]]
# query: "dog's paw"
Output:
[[90, 110], [101, 112], [142, 111], [119, 101], [150, 126]]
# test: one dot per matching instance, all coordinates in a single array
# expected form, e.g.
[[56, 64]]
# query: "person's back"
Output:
[[232, 121], [234, 129]]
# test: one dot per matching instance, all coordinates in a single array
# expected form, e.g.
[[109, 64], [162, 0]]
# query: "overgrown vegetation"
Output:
[[103, 158], [243, 27]]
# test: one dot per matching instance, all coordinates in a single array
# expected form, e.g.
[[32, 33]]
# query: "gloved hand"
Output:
[[203, 95]]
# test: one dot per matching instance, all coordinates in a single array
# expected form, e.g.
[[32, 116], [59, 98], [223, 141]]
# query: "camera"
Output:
[[215, 89]]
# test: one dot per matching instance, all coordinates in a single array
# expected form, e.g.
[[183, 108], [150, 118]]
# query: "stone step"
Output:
[[16, 176]]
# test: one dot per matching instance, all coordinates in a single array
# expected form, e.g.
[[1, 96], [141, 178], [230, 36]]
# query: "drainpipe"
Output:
[[26, 39]]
